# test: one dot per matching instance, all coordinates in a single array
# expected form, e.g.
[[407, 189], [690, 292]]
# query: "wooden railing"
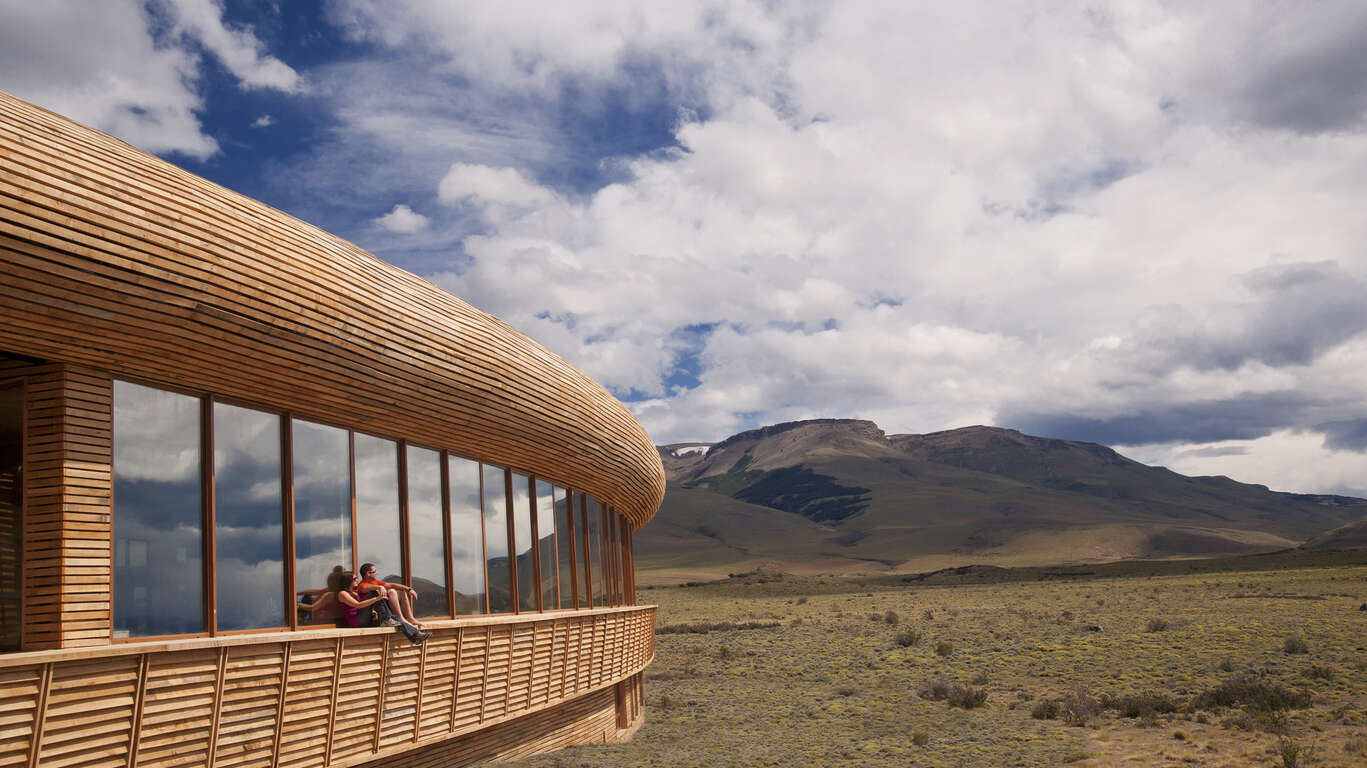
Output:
[[310, 698]]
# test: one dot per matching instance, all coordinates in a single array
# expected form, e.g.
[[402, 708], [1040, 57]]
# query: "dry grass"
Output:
[[821, 684]]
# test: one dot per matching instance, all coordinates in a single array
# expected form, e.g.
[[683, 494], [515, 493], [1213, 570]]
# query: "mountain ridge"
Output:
[[975, 494]]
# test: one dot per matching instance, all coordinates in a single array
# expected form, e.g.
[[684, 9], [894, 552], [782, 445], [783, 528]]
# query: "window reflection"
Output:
[[158, 555], [593, 516], [467, 539], [498, 570], [527, 588], [564, 546], [322, 517], [249, 566], [427, 554], [377, 506], [546, 535]]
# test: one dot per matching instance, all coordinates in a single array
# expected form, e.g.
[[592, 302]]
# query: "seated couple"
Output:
[[365, 601]]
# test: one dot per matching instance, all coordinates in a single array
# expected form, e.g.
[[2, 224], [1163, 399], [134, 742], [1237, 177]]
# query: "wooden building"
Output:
[[209, 410]]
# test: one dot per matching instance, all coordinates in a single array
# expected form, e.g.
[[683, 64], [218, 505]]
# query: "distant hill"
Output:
[[835, 495], [1350, 536]]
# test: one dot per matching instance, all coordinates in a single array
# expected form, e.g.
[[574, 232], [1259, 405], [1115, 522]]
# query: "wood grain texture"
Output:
[[114, 259], [331, 698]]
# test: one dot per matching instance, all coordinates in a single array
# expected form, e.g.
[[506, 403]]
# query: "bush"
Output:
[[943, 648], [1320, 672], [1226, 665], [845, 690], [908, 638], [1253, 693], [891, 617], [1356, 746], [935, 689], [1079, 708], [1045, 709], [920, 738], [966, 696], [1293, 755], [1156, 625], [1294, 644], [1140, 704]]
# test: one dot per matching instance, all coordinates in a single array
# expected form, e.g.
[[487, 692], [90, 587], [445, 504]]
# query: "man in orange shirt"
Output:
[[400, 597]]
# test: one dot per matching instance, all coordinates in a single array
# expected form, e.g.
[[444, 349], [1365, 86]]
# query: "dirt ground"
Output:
[[1226, 669]]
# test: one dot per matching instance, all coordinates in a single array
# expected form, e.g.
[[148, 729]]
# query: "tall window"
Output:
[[564, 547], [527, 588], [11, 507], [322, 518], [467, 536], [546, 535], [158, 523], [378, 539], [249, 542], [425, 533], [498, 568], [594, 538]]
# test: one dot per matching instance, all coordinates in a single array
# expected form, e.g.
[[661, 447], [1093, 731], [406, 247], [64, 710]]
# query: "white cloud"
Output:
[[96, 63], [264, 121], [491, 186], [403, 220], [238, 48]]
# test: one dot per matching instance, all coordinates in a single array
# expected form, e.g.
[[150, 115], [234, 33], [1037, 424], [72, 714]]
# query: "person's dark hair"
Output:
[[343, 581], [366, 567]]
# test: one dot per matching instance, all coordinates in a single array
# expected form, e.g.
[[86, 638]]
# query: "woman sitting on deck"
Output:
[[372, 611]]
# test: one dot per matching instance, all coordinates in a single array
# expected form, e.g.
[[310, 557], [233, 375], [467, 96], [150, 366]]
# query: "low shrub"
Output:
[[943, 648], [891, 617], [1294, 754], [1045, 709], [966, 696], [935, 689], [1140, 704], [1156, 625], [920, 738], [1320, 672], [1253, 693], [1079, 708], [1295, 644], [908, 638]]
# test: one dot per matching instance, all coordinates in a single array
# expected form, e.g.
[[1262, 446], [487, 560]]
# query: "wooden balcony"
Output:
[[312, 698]]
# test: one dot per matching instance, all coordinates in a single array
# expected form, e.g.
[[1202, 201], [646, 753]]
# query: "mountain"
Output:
[[839, 495], [1350, 536]]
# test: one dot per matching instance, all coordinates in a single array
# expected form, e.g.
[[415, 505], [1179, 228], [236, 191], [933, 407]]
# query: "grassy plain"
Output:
[[781, 670]]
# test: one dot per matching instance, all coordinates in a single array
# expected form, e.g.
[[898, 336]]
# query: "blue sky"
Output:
[[1138, 224]]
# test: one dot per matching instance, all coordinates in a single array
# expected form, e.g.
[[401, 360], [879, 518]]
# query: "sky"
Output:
[[1136, 223]]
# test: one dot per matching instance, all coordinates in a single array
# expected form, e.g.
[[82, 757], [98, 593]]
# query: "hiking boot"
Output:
[[390, 621], [420, 638]]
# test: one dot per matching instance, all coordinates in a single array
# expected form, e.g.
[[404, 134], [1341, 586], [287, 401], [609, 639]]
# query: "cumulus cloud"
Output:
[[264, 121], [236, 47], [403, 220], [491, 186], [106, 71]]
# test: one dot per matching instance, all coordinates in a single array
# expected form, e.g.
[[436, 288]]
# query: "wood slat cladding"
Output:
[[117, 260], [331, 698], [67, 480]]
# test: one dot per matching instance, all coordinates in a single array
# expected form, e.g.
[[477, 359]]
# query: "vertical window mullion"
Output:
[[447, 533], [405, 552], [512, 540], [287, 514]]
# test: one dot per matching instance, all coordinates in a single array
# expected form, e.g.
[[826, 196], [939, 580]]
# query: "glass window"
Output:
[[425, 534], [527, 589], [377, 507], [594, 513], [610, 556], [546, 535], [322, 517], [158, 524], [249, 539], [467, 537], [564, 547], [498, 570], [11, 508], [581, 547]]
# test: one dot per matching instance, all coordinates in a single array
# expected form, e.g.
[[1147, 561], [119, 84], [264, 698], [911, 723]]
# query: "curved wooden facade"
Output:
[[117, 260], [120, 270]]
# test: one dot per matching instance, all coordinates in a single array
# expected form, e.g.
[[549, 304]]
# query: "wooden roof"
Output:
[[115, 259]]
